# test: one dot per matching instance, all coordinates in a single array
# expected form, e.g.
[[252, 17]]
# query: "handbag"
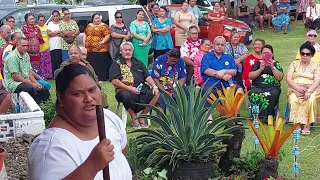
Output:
[[69, 39]]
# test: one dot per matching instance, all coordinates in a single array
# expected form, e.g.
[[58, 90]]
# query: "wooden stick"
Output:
[[102, 136]]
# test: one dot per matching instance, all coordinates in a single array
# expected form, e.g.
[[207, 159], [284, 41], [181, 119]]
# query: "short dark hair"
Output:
[[164, 8], [117, 12], [13, 35], [175, 53], [150, 1], [267, 46], [204, 40], [154, 5], [260, 40], [67, 74], [40, 16], [93, 15], [27, 16], [20, 39], [309, 46], [9, 17], [64, 9], [55, 11]]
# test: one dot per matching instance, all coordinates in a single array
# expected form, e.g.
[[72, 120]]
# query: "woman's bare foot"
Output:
[[306, 130]]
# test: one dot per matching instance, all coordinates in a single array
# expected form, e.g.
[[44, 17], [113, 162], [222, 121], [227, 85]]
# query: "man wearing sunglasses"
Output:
[[312, 38]]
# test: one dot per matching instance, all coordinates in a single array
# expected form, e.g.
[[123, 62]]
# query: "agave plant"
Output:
[[231, 102], [183, 134], [273, 135]]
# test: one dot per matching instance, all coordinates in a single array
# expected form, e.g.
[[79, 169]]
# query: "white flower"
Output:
[[264, 76], [267, 94], [251, 62]]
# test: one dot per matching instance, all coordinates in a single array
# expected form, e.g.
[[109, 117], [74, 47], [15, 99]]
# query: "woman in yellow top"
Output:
[[95, 39], [303, 78], [45, 57], [312, 38]]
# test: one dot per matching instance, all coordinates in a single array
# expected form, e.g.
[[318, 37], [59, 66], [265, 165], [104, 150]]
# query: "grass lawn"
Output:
[[285, 47]]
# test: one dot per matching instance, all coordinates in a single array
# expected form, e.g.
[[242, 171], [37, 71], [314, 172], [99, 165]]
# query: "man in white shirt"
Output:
[[312, 16]]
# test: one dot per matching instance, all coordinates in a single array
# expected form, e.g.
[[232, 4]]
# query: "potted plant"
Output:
[[271, 142], [230, 104], [184, 143]]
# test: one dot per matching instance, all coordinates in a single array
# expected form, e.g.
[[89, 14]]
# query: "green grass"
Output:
[[285, 47]]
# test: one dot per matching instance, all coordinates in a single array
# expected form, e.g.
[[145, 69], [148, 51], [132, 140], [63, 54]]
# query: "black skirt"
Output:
[[56, 59], [101, 62]]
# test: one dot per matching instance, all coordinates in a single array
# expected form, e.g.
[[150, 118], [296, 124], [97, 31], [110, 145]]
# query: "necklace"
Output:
[[166, 74]]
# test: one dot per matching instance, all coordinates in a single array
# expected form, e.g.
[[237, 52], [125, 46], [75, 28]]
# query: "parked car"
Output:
[[18, 14], [107, 2], [203, 3], [7, 9], [82, 15], [229, 24], [7, 2]]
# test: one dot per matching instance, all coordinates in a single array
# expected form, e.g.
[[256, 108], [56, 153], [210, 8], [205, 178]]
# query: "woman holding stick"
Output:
[[69, 148]]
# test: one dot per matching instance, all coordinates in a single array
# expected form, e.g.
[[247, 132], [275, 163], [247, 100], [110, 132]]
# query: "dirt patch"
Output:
[[16, 160]]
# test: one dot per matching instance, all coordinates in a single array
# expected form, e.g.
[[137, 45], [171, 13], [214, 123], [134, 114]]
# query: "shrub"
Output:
[[49, 110]]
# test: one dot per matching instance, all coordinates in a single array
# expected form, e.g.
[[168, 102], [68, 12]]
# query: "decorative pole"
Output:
[[295, 153], [255, 114]]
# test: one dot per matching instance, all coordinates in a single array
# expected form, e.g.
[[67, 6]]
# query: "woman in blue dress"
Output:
[[282, 19], [162, 41]]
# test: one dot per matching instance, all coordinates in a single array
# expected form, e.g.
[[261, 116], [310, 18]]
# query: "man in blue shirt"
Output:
[[218, 67], [169, 69]]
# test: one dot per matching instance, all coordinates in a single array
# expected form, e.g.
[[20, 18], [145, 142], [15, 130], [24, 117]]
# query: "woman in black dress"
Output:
[[266, 75], [119, 33]]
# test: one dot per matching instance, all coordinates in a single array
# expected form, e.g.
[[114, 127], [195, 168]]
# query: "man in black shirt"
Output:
[[128, 75]]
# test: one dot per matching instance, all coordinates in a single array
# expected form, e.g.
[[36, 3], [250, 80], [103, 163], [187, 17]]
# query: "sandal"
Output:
[[305, 133], [144, 125], [209, 121], [135, 126]]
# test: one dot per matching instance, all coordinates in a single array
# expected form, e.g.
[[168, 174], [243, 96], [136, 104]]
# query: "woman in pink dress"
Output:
[[33, 34], [204, 49], [302, 6]]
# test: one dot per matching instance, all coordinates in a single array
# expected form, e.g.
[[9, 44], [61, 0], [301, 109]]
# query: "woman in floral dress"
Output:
[[33, 34], [45, 58], [70, 30], [266, 75], [302, 6], [96, 39]]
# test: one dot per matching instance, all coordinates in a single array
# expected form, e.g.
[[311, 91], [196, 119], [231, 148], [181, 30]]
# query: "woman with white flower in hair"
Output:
[[266, 75]]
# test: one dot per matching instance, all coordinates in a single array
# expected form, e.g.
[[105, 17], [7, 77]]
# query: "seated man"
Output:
[[77, 56], [18, 74], [126, 74], [168, 69], [261, 14], [312, 16], [218, 67], [9, 47]]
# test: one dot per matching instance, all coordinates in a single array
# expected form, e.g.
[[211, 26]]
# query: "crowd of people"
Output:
[[119, 53]]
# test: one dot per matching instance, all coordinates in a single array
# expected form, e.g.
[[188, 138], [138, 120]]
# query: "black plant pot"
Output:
[[192, 171], [233, 151], [268, 168]]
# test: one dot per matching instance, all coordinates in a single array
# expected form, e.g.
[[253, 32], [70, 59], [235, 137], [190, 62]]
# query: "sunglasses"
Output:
[[305, 54], [118, 17], [312, 35]]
